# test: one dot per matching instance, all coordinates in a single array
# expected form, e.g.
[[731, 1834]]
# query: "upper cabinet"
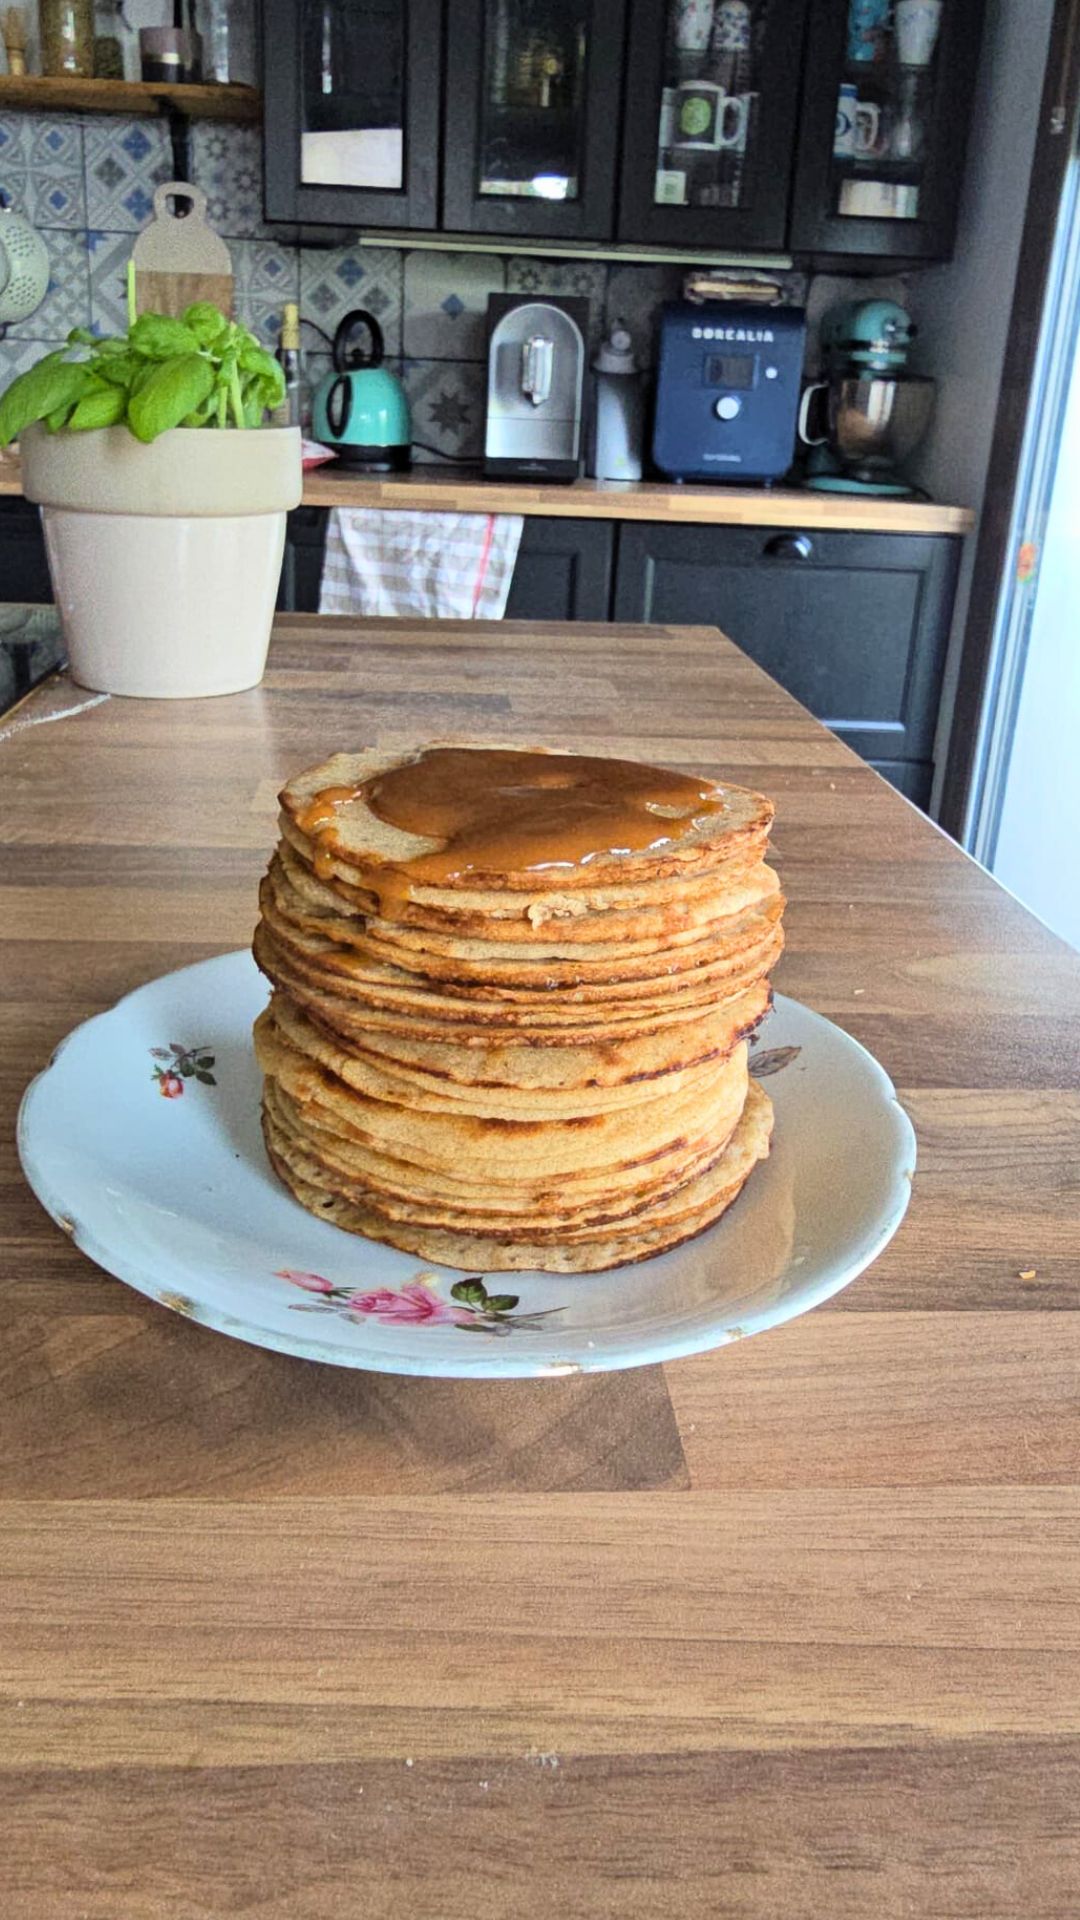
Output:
[[531, 132], [352, 102], [831, 128], [712, 101], [887, 100]]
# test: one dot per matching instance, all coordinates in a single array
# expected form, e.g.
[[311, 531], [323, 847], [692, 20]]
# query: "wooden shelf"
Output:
[[66, 93]]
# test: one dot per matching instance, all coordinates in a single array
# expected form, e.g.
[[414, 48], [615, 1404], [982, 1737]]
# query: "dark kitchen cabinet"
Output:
[[301, 568], [563, 571], [531, 130], [855, 625], [712, 101], [24, 569], [705, 126], [352, 98], [887, 95]]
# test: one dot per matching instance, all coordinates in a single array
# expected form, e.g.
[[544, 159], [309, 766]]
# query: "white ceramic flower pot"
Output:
[[165, 559]]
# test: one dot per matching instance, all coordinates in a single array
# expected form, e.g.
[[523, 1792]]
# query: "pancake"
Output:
[[512, 996], [509, 1252]]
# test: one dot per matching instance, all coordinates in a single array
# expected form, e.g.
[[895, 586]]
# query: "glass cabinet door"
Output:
[[531, 109], [352, 94], [888, 99], [352, 111], [710, 121]]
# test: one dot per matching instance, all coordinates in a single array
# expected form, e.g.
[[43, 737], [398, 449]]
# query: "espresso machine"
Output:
[[866, 418], [535, 387]]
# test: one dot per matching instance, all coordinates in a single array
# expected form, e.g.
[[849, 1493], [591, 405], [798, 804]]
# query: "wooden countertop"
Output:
[[791, 1627], [435, 491]]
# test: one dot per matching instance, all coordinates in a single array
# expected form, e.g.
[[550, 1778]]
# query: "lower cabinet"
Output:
[[563, 571], [24, 570], [855, 625], [301, 568]]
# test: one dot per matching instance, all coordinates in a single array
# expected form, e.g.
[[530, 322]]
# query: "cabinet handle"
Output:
[[789, 546]]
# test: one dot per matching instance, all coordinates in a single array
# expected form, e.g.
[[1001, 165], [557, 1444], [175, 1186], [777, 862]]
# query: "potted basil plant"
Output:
[[163, 498]]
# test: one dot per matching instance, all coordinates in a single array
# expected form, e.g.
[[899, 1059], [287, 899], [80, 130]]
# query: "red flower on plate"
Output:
[[171, 1085], [414, 1305]]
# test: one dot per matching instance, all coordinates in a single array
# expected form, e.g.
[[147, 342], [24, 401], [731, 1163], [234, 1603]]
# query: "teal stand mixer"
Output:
[[867, 416]]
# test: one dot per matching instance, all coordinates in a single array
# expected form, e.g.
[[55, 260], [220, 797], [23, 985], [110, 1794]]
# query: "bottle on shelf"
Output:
[[290, 412], [617, 436]]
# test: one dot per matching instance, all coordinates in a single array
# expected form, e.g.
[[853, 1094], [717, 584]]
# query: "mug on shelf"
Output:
[[867, 128], [731, 27], [868, 22], [708, 120], [844, 135], [693, 25], [917, 23]]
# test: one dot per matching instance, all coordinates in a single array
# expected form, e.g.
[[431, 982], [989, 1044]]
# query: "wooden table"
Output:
[[789, 1631]]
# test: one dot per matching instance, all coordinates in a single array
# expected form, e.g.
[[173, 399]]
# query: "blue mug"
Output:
[[868, 23]]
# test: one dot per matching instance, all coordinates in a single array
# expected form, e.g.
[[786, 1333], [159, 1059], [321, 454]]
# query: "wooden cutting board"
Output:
[[180, 259]]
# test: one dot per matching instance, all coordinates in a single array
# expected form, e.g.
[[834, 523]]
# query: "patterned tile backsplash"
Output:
[[88, 185]]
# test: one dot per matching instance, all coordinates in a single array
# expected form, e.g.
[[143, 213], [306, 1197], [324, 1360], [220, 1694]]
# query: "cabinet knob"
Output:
[[789, 546]]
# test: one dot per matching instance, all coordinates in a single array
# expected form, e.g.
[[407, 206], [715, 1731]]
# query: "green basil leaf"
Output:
[[175, 389], [39, 393], [104, 407], [119, 370], [205, 321], [160, 337]]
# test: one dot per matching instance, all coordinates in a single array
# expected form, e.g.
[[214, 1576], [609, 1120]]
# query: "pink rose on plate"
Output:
[[414, 1305], [311, 1282]]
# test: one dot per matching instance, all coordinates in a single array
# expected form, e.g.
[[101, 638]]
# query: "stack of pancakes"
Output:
[[543, 1067]]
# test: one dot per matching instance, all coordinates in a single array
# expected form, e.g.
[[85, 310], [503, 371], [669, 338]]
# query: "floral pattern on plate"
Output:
[[419, 1304], [177, 1063]]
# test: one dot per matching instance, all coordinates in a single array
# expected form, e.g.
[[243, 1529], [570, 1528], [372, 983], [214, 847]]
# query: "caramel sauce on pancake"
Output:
[[501, 810]]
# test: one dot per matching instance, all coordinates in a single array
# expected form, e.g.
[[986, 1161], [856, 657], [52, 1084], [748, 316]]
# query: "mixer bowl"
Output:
[[876, 421]]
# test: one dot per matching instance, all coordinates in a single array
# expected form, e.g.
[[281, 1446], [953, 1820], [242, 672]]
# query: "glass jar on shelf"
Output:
[[67, 37], [116, 44]]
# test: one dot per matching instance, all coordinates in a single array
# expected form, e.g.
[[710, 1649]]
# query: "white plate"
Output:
[[171, 1192]]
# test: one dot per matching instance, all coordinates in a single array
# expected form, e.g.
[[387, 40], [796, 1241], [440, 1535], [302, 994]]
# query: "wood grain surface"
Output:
[[72, 93], [433, 490], [786, 1632]]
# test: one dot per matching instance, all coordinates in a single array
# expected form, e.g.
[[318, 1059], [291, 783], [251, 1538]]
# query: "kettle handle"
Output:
[[345, 328], [339, 406], [811, 439]]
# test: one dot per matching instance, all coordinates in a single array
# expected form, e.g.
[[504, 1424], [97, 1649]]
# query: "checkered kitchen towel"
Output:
[[446, 566]]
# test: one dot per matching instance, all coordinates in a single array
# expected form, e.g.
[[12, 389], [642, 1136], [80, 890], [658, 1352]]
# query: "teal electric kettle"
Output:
[[360, 409]]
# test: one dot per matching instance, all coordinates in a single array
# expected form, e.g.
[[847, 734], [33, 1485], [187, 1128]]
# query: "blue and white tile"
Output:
[[227, 165], [446, 401], [108, 255], [18, 355], [67, 301], [125, 161], [635, 295], [571, 279], [41, 167], [446, 296], [335, 281], [267, 275]]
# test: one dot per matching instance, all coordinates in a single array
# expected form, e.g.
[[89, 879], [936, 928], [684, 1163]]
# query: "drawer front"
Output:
[[854, 625]]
